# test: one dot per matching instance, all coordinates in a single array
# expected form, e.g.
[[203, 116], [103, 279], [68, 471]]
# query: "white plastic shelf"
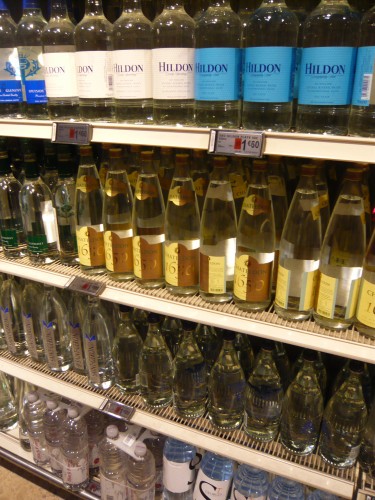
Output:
[[285, 144]]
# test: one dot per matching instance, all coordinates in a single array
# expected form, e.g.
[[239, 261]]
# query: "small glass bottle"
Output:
[[11, 317], [31, 305], [226, 387]]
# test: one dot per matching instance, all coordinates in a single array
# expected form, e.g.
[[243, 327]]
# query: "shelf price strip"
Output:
[[71, 133], [236, 143], [117, 410], [83, 285]]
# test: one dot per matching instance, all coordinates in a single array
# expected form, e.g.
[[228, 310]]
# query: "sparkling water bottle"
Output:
[[34, 412], [249, 483], [140, 473], [31, 303], [112, 466], [53, 419], [178, 470], [214, 477]]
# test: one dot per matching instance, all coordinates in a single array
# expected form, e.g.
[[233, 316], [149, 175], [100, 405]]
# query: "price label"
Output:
[[71, 133], [116, 409], [86, 286], [236, 143]]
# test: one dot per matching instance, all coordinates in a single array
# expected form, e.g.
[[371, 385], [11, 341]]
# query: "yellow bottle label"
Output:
[[181, 265], [113, 187], [256, 205], [327, 296], [323, 200], [90, 247], [212, 274], [145, 190], [252, 280], [132, 178], [366, 304], [87, 183], [103, 173], [148, 259], [200, 186], [282, 287], [118, 253], [315, 211], [353, 298], [181, 196], [277, 185], [309, 287], [238, 184]]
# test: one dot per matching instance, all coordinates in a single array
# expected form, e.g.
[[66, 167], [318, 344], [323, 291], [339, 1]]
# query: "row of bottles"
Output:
[[216, 71]]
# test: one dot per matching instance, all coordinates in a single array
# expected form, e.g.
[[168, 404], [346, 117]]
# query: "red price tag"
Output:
[[71, 133], [237, 143]]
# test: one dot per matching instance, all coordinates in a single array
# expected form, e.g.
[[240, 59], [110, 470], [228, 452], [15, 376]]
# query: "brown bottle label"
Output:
[[113, 187], [90, 246], [132, 178], [181, 196], [212, 274], [181, 265], [256, 205], [87, 183], [118, 252], [148, 258], [145, 190], [252, 280]]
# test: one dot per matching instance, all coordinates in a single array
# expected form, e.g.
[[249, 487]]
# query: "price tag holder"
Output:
[[236, 143], [71, 133], [117, 410], [89, 287]]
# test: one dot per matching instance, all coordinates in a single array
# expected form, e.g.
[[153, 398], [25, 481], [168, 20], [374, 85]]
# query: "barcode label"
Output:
[[28, 326], [48, 334], [366, 87]]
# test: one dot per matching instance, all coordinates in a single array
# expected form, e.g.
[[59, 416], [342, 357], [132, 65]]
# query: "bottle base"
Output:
[[101, 385], [292, 314], [215, 298], [332, 323], [159, 283], [40, 260], [300, 452], [15, 254], [186, 413], [225, 425], [157, 403], [59, 369], [260, 436], [93, 270], [180, 290], [119, 276], [251, 306], [336, 463]]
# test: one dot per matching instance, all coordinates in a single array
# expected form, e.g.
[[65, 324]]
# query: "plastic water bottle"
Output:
[[285, 489], [112, 466], [155, 443], [249, 482], [95, 432], [321, 495], [75, 451], [140, 474], [178, 470], [53, 420], [214, 477], [34, 411]]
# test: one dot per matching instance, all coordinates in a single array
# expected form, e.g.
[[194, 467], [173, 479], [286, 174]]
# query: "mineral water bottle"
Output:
[[178, 470], [132, 44], [285, 489], [53, 420], [148, 226], [75, 451], [55, 333], [218, 66], [34, 412], [322, 187], [365, 315], [139, 317], [302, 410], [172, 332], [8, 407], [173, 65], [89, 215], [93, 40], [117, 218], [155, 443], [182, 227], [362, 113], [341, 257], [218, 237], [366, 381], [367, 451], [126, 348], [31, 305], [166, 170], [245, 353], [97, 339], [95, 432], [29, 43], [263, 397], [11, 228], [102, 161], [140, 473], [11, 93], [112, 466], [200, 175], [49, 172], [59, 64], [330, 38], [76, 310], [344, 422], [209, 342], [321, 495], [155, 366], [270, 41], [189, 376], [21, 389], [39, 216], [255, 245], [249, 482], [299, 251], [319, 367], [215, 475], [226, 387], [11, 317]]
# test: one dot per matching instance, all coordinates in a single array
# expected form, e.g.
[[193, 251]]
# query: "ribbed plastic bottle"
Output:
[[214, 477], [155, 443], [249, 483], [178, 470], [112, 466], [34, 412], [285, 489], [140, 473], [53, 419]]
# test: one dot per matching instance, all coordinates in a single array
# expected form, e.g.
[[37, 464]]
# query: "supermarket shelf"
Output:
[[366, 489], [236, 444], [276, 143], [11, 450], [307, 334]]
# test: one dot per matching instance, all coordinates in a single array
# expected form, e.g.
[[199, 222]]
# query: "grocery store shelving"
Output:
[[276, 143]]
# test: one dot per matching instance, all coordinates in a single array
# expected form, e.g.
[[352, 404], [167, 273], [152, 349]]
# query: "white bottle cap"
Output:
[[112, 431], [73, 412], [51, 405], [140, 449], [32, 397]]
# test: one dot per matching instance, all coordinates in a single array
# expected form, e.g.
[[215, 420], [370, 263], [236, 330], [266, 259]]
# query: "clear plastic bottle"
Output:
[[155, 443], [53, 420], [95, 432], [285, 489], [140, 473], [218, 66], [112, 466], [34, 411], [31, 304], [171, 329], [77, 304], [11, 317], [75, 451], [215, 474], [249, 482], [8, 407], [55, 333], [178, 470]]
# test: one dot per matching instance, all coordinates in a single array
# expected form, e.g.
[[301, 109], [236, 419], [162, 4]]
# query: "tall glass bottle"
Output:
[[182, 227], [226, 386], [302, 410], [344, 422], [299, 251], [97, 343], [270, 41], [31, 305], [319, 367], [173, 65], [93, 40], [166, 171], [322, 187], [218, 66], [132, 65], [171, 329], [200, 175], [209, 342], [218, 237], [330, 38], [8, 408], [10, 74], [255, 251], [59, 64], [341, 258], [89, 215], [76, 311], [365, 315], [148, 226], [39, 216], [367, 451], [11, 317], [155, 367], [55, 332], [29, 43], [11, 227]]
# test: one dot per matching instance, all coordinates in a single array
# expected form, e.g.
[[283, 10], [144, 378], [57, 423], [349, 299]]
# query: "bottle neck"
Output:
[[228, 345], [219, 3], [31, 4], [93, 7], [219, 174], [59, 9], [125, 317], [153, 329]]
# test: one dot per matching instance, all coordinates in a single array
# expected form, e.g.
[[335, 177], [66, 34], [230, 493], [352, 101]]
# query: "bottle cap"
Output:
[[260, 165], [73, 412], [356, 366], [153, 318], [147, 155], [124, 308], [51, 404], [198, 153], [32, 397], [220, 161], [85, 151], [140, 449], [135, 148], [267, 345], [309, 355], [229, 335], [308, 170], [182, 159], [115, 153], [188, 325], [353, 174], [112, 431]]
